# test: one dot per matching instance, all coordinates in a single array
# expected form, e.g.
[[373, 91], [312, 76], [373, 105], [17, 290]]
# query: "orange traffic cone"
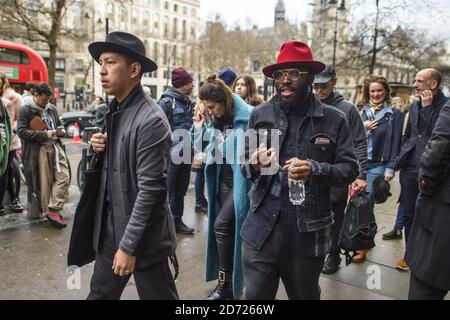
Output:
[[76, 134]]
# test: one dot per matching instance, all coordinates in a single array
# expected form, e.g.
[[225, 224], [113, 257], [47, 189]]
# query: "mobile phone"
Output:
[[60, 129], [89, 132]]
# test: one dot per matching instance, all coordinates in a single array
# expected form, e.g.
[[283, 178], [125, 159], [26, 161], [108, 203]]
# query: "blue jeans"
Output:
[[199, 186], [373, 171], [400, 221]]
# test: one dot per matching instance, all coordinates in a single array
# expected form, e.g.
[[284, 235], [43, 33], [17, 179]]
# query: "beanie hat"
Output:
[[180, 77], [228, 76]]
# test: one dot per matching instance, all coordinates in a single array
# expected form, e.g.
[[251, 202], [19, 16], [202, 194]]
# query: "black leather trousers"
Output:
[[225, 222]]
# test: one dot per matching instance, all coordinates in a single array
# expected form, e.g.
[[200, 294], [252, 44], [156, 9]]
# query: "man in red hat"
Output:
[[283, 238]]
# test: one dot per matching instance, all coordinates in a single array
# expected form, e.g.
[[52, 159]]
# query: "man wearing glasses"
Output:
[[281, 239], [324, 87]]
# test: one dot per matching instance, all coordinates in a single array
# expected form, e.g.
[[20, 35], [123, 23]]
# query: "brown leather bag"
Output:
[[36, 124]]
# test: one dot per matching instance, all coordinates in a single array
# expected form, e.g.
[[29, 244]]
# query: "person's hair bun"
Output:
[[212, 78]]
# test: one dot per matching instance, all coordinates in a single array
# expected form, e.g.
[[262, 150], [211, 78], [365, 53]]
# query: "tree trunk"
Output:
[[53, 40], [375, 40]]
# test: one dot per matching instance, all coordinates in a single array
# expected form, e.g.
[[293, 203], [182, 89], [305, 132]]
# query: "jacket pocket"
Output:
[[321, 147]]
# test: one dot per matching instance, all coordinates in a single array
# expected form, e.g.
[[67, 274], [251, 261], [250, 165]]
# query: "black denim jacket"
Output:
[[324, 138]]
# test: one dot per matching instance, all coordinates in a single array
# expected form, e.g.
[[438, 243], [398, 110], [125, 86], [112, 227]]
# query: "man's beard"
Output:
[[299, 95]]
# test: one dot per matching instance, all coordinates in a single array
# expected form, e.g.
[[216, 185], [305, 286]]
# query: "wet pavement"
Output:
[[33, 259]]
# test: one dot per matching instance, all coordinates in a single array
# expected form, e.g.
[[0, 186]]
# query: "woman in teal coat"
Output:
[[219, 131]]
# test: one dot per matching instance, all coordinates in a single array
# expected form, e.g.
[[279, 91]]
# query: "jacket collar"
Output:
[[130, 101], [439, 99]]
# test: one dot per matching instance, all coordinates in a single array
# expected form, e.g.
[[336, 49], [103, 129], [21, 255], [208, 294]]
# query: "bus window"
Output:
[[13, 56]]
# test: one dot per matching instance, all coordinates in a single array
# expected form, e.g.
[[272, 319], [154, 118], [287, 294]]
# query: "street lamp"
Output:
[[340, 8]]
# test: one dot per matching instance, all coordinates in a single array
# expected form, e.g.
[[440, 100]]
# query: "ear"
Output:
[[136, 69], [334, 81], [434, 84]]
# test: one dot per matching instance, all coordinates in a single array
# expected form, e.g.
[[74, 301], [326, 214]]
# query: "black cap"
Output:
[[326, 75]]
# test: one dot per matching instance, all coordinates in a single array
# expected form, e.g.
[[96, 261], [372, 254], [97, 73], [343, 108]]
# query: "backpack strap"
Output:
[[170, 105]]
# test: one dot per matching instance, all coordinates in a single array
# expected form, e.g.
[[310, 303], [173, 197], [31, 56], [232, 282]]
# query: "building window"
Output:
[[193, 13], [60, 65], [156, 51], [166, 74], [59, 82], [175, 28], [79, 65], [193, 30], [184, 30], [166, 27], [166, 5], [157, 3], [156, 21], [153, 91], [110, 10], [145, 19], [185, 11], [134, 20], [166, 54], [175, 7], [123, 19]]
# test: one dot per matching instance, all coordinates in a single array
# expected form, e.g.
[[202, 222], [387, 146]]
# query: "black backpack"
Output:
[[359, 227]]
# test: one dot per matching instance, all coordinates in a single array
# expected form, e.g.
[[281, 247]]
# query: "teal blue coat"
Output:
[[241, 187]]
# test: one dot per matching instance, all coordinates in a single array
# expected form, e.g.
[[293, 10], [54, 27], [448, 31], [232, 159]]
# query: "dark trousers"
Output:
[[10, 181], [419, 290], [408, 197], [338, 211], [178, 177], [224, 226], [263, 270], [154, 282], [199, 186]]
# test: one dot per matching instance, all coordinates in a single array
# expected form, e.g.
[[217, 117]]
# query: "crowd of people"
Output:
[[307, 134]]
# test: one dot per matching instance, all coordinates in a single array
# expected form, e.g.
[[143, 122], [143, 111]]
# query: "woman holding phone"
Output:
[[219, 129]]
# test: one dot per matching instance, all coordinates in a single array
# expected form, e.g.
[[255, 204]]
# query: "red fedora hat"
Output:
[[294, 54]]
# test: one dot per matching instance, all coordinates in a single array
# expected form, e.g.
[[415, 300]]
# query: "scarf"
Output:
[[376, 107]]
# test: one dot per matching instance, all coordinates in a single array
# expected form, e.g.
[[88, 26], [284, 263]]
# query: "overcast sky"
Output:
[[261, 12]]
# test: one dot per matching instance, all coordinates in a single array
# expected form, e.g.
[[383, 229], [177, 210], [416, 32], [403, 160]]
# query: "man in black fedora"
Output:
[[134, 232], [284, 238]]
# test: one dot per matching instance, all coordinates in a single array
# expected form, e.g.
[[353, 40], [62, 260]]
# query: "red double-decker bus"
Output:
[[21, 64]]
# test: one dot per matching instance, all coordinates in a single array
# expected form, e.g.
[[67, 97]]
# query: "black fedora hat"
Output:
[[381, 189], [126, 44]]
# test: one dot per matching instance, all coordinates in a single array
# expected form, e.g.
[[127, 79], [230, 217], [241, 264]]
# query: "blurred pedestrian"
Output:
[[228, 75], [325, 89], [384, 126], [100, 114], [44, 158], [245, 87], [178, 106], [429, 241], [423, 116], [10, 181]]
